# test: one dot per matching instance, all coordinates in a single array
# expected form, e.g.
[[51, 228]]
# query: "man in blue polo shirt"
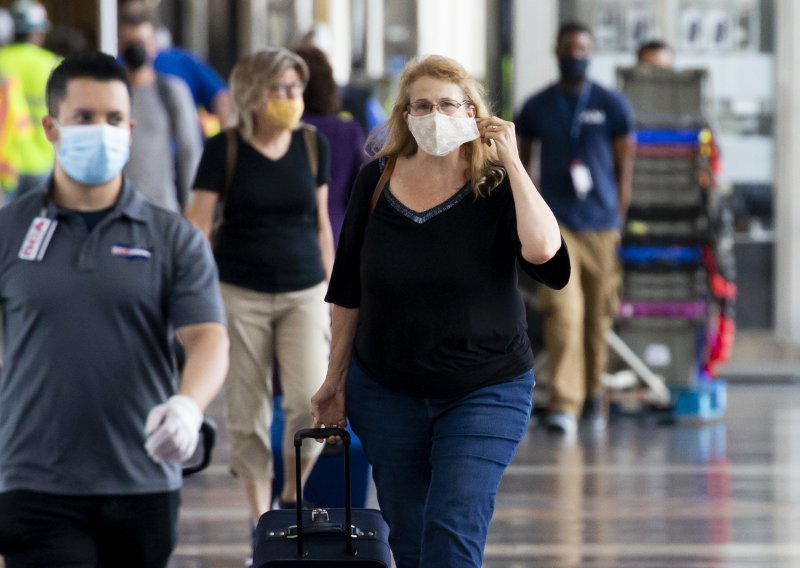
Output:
[[587, 149], [95, 281]]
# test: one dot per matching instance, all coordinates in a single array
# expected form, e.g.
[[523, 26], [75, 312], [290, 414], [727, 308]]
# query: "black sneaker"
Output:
[[595, 413]]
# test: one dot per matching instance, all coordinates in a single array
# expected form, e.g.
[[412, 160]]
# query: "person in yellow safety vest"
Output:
[[25, 60], [9, 127], [16, 130]]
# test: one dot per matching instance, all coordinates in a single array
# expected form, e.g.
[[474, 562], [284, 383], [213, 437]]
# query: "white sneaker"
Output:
[[563, 423]]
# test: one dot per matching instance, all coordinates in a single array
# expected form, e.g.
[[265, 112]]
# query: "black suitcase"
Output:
[[318, 537]]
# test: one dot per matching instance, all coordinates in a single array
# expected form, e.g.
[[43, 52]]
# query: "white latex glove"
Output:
[[172, 429]]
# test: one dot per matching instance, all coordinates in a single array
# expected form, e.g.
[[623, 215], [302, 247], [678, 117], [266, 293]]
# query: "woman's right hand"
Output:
[[327, 405]]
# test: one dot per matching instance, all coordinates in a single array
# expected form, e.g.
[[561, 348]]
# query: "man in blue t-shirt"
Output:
[[587, 149], [208, 89]]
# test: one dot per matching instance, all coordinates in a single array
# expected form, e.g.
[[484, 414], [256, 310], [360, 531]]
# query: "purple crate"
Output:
[[695, 309]]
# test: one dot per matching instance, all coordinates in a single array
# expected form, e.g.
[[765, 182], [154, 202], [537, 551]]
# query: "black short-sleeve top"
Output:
[[268, 240], [439, 309]]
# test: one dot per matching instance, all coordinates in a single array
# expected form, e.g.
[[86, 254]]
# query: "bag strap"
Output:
[[170, 104], [167, 98], [231, 150], [382, 182], [310, 139]]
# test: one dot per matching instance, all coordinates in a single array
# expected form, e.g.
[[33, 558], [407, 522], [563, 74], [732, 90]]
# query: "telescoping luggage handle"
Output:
[[323, 433]]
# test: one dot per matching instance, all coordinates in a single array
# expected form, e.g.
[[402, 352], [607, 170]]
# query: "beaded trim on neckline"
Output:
[[425, 216]]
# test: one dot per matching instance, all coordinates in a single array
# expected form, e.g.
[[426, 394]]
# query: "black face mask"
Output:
[[573, 68], [135, 56]]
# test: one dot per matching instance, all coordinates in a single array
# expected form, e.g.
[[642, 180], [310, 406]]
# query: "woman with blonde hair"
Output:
[[274, 249], [429, 348]]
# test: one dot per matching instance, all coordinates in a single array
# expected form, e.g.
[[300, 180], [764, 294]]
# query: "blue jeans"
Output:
[[437, 463]]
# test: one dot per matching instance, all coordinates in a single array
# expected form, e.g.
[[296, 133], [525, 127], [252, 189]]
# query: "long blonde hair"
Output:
[[257, 73], [395, 139]]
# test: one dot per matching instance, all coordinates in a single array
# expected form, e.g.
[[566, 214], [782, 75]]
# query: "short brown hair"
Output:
[[135, 13]]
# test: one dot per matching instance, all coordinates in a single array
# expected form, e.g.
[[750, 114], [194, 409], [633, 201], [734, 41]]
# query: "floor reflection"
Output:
[[719, 494], [644, 494]]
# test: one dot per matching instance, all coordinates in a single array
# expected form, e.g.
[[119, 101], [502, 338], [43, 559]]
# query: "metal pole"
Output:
[[107, 26]]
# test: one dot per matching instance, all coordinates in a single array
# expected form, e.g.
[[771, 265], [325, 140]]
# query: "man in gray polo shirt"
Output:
[[94, 282]]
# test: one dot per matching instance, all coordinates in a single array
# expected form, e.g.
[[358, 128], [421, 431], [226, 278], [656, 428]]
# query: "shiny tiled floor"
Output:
[[644, 495]]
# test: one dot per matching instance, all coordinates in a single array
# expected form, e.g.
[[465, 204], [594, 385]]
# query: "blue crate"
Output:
[[665, 255], [668, 136], [702, 402]]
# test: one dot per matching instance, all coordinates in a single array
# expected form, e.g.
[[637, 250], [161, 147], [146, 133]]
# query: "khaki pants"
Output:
[[295, 327], [577, 318]]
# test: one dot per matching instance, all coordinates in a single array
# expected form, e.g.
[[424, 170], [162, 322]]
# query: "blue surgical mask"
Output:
[[93, 154]]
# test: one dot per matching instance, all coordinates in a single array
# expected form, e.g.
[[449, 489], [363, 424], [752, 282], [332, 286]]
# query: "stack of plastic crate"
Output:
[[669, 314]]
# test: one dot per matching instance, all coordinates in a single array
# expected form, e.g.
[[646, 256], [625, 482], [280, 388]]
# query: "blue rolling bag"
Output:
[[319, 488]]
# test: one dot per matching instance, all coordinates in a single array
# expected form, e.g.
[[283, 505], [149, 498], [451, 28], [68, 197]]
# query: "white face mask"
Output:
[[438, 134]]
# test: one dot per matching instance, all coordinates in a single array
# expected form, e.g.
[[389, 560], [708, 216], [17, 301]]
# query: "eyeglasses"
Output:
[[288, 89], [444, 106]]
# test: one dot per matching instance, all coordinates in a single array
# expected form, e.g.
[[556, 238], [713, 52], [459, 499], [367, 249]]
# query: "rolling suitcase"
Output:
[[322, 537]]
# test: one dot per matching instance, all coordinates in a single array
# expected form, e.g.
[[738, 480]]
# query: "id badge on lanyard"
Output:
[[37, 238], [578, 170], [581, 178]]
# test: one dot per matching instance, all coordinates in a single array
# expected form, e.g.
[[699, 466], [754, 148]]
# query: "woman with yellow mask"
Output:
[[274, 249]]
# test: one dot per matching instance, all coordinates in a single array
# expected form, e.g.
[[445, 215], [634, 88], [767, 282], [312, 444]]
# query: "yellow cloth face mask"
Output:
[[285, 113]]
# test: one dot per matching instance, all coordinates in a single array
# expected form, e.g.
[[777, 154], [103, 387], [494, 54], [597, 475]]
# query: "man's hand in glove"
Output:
[[172, 429]]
